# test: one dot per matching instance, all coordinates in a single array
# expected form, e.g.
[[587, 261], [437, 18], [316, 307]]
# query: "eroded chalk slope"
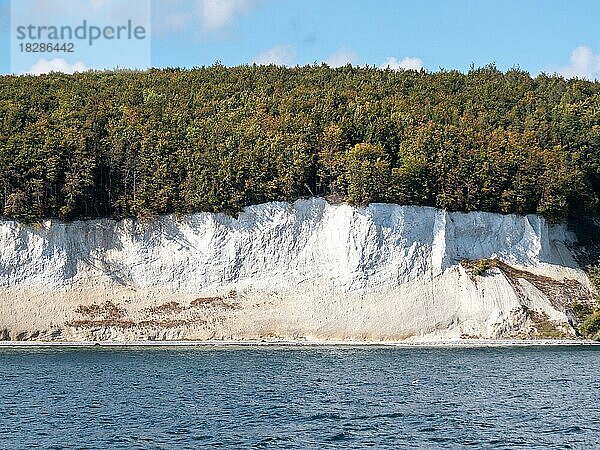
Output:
[[308, 270]]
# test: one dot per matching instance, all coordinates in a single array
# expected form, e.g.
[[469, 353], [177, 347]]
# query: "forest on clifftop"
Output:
[[138, 144]]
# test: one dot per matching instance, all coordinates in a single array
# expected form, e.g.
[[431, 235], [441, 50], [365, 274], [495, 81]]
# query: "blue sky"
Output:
[[535, 35]]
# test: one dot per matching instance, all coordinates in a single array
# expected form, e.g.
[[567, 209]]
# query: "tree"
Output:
[[367, 174]]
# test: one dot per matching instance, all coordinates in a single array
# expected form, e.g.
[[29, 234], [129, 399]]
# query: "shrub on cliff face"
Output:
[[589, 316], [594, 275], [582, 311], [591, 326], [478, 267], [481, 267]]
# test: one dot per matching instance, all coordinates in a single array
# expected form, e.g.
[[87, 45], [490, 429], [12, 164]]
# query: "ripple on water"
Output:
[[340, 397]]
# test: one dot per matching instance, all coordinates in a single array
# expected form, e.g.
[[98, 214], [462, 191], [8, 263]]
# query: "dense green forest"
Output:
[[117, 144]]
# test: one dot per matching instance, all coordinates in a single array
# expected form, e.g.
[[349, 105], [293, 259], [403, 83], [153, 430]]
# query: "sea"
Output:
[[305, 397]]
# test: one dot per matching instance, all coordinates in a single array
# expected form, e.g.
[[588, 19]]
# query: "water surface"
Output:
[[298, 397]]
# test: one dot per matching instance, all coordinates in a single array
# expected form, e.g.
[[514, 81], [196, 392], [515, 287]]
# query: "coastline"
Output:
[[463, 343]]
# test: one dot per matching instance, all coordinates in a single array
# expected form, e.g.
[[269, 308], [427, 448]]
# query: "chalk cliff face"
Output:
[[308, 270]]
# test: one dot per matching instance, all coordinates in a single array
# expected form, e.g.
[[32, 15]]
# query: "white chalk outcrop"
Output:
[[308, 270]]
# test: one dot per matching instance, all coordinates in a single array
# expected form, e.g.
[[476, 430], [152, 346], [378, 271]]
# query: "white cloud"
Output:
[[407, 63], [219, 13], [209, 15], [342, 57], [56, 65], [584, 64], [281, 55]]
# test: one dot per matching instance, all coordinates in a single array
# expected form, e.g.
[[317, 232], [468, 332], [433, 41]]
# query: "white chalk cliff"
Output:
[[308, 270]]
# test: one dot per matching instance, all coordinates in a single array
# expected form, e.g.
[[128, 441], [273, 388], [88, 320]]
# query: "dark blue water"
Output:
[[502, 398]]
